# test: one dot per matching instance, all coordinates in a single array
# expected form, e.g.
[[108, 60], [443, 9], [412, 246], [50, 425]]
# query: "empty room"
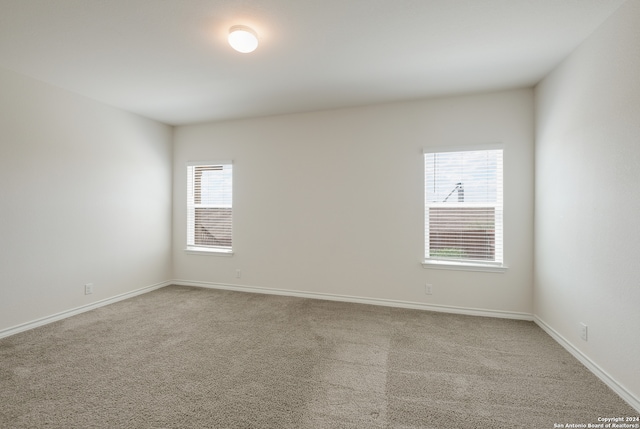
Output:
[[319, 214]]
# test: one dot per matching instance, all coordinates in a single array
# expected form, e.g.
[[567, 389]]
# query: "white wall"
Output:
[[332, 202], [587, 218], [85, 196]]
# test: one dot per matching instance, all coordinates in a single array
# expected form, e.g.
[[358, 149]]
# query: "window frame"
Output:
[[191, 206], [458, 264]]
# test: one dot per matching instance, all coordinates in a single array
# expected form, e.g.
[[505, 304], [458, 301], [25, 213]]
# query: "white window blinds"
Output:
[[463, 206], [210, 206]]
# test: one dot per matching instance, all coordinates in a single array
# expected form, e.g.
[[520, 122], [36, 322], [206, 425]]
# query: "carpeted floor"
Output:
[[183, 357]]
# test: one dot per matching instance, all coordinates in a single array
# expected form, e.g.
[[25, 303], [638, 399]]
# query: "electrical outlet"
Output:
[[88, 289], [428, 289], [238, 273], [584, 331]]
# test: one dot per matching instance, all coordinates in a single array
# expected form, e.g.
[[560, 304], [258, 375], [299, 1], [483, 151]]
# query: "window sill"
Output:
[[463, 266], [208, 251]]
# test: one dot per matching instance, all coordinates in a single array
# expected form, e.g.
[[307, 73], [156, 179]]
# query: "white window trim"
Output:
[[195, 250], [456, 265], [198, 250], [441, 264], [464, 148]]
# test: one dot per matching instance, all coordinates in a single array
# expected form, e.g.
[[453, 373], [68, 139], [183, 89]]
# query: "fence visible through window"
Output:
[[462, 233], [212, 226]]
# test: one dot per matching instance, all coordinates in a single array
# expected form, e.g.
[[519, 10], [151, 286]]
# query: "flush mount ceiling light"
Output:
[[243, 39]]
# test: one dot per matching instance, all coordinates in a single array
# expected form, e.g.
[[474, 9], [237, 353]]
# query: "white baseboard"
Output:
[[68, 313], [360, 300], [591, 365]]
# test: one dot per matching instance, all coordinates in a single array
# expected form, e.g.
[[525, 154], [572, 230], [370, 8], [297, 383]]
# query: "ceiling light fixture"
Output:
[[243, 39]]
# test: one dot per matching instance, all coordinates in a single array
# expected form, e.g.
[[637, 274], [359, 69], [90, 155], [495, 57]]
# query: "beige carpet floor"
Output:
[[183, 357]]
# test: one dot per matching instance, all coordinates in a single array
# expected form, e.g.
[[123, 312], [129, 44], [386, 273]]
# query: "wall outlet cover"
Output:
[[584, 334]]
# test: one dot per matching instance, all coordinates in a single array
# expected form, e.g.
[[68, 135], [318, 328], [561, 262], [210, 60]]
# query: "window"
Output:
[[209, 207], [463, 209]]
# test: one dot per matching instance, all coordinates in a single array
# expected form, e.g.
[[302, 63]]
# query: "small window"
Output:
[[210, 207], [463, 208]]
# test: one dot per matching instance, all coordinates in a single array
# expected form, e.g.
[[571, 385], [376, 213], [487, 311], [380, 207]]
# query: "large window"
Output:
[[463, 207], [209, 207]]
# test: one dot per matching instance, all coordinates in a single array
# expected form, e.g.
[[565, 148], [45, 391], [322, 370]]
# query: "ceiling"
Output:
[[169, 59]]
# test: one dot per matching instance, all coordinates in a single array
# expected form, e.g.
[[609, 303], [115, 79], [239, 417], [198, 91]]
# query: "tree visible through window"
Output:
[[209, 206], [463, 206]]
